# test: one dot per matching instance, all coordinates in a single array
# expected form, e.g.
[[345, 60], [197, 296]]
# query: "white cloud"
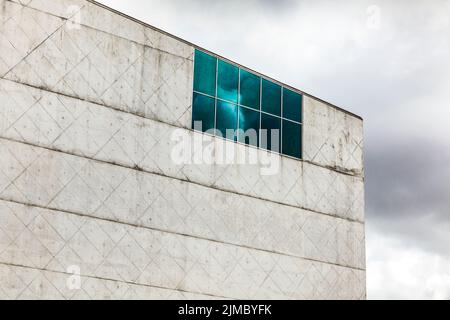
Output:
[[399, 271]]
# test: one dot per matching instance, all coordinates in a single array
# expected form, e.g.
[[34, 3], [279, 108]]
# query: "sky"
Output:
[[387, 61]]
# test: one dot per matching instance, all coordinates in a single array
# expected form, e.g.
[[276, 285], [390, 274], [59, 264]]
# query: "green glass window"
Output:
[[227, 82], [271, 98], [292, 105], [248, 126], [241, 106], [270, 133], [250, 90], [203, 110], [226, 120], [205, 73], [292, 137]]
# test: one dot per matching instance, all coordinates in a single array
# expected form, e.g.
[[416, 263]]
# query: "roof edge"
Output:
[[147, 25]]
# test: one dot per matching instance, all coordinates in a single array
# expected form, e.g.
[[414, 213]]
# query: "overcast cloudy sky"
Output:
[[388, 61]]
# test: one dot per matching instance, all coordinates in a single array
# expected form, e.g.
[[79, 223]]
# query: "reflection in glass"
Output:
[[227, 82], [292, 137], [250, 90], [241, 106], [205, 73], [203, 113], [292, 105], [271, 97], [270, 133], [226, 120], [248, 126]]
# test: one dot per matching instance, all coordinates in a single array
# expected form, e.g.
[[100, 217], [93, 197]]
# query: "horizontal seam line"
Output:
[[117, 109], [179, 179], [108, 279], [137, 226]]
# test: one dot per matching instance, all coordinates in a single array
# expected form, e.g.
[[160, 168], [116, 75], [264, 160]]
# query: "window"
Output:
[[227, 82], [271, 98], [250, 90], [292, 133], [205, 73], [203, 113], [249, 126], [291, 101], [226, 121], [239, 105], [270, 133]]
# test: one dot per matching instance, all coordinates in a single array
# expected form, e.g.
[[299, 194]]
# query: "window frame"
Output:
[[261, 112]]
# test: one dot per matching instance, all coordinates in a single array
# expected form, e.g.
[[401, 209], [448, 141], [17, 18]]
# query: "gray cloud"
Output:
[[410, 178], [408, 188]]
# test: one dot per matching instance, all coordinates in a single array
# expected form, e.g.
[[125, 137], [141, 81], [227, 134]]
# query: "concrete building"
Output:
[[96, 203]]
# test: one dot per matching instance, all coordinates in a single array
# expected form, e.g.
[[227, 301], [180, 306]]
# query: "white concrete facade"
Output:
[[90, 103]]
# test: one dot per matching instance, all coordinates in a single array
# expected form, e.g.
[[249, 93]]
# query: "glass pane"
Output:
[[270, 133], [227, 82], [205, 73], [226, 120], [292, 105], [292, 137], [248, 126], [271, 98], [250, 90], [203, 110]]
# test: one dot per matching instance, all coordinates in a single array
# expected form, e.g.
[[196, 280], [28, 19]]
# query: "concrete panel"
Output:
[[50, 179], [90, 130], [92, 15], [54, 241], [22, 30], [96, 66], [19, 283], [93, 107], [333, 138]]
